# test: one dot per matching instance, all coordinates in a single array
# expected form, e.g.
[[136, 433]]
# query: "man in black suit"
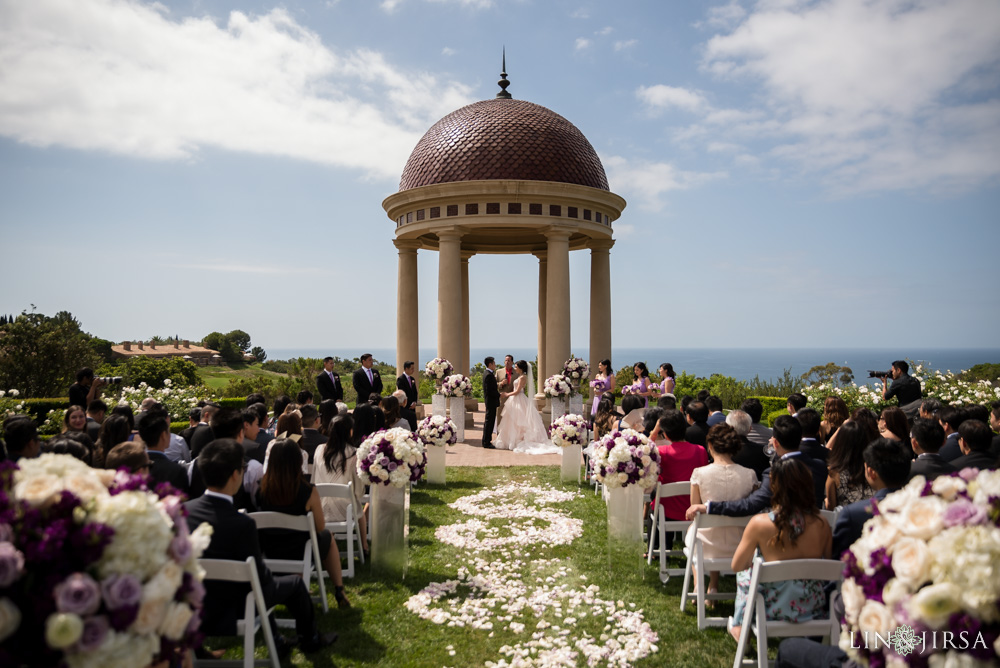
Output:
[[328, 382], [697, 417], [951, 418], [234, 537], [491, 393], [96, 410], [786, 435], [155, 433], [751, 454], [810, 445], [311, 438], [194, 419], [887, 468], [926, 439], [796, 402], [202, 434], [408, 384], [975, 439], [366, 379]]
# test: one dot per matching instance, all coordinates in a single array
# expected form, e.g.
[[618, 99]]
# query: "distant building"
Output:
[[184, 349]]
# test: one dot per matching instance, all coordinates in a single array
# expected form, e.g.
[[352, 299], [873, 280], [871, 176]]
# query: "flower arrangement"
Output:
[[925, 563], [176, 400], [624, 458], [576, 370], [391, 457], [634, 388], [456, 386], [96, 569], [557, 386], [570, 429], [439, 369], [437, 430]]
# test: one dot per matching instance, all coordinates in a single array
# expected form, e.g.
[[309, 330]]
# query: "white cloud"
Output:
[[725, 16], [582, 43], [650, 181], [125, 78], [391, 5], [625, 44], [606, 30], [580, 13], [448, 51], [665, 97], [873, 95]]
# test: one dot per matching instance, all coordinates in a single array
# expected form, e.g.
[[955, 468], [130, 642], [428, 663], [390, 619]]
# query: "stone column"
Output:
[[464, 364], [407, 331], [600, 302], [542, 286], [557, 308], [449, 334]]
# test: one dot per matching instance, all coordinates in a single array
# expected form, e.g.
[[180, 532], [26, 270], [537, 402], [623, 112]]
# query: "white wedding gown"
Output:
[[521, 428]]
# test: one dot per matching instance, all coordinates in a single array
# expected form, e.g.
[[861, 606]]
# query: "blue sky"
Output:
[[798, 174]]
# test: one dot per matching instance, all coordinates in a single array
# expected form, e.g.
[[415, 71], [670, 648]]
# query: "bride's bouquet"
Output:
[[557, 386], [927, 563], [391, 457], [457, 386], [437, 430], [634, 388], [439, 368], [96, 569], [576, 370], [569, 430], [626, 457]]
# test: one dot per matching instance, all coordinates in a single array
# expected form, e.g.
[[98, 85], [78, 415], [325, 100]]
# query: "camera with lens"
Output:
[[110, 380], [879, 374]]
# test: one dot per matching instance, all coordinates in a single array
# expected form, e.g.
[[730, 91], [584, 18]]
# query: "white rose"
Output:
[[948, 487], [895, 592], [86, 486], [622, 478], [923, 518], [151, 614], [876, 618], [176, 620], [911, 561], [10, 618], [62, 630], [934, 604], [854, 598], [39, 489]]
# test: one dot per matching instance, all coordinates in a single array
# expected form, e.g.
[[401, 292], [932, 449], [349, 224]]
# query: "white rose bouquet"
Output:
[[927, 562], [557, 386], [576, 370], [626, 457], [570, 429], [391, 457], [108, 565], [439, 368], [457, 386], [437, 430]]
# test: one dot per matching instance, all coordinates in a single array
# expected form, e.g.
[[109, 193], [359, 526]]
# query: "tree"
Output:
[[213, 341], [153, 372], [157, 340], [828, 373], [40, 355], [258, 354], [240, 339], [230, 352]]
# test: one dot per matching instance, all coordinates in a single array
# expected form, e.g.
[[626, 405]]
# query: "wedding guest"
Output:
[[390, 407], [892, 423], [328, 382], [96, 410], [666, 401], [926, 439], [263, 438], [685, 402], [796, 402], [669, 377], [336, 462], [633, 408], [251, 429], [951, 418], [304, 397], [867, 418], [722, 480], [114, 430], [887, 468], [408, 414], [606, 418], [289, 427], [327, 411], [649, 419], [126, 411], [203, 434], [281, 402], [697, 417], [194, 419], [834, 414], [155, 433], [929, 408], [75, 422], [256, 398], [283, 489], [715, 414], [846, 482], [65, 444], [129, 456], [975, 439], [602, 383], [365, 422], [793, 529], [678, 458], [751, 455], [311, 438], [810, 445], [759, 433], [640, 381], [21, 437]]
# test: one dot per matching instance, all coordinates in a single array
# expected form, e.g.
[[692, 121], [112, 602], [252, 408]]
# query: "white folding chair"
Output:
[[695, 554], [661, 525], [831, 517], [346, 530], [755, 615], [255, 612], [311, 562]]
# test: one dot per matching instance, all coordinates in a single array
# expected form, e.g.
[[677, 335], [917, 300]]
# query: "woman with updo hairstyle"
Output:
[[327, 411], [722, 480], [892, 424], [289, 426], [846, 481], [390, 408], [114, 430], [669, 377]]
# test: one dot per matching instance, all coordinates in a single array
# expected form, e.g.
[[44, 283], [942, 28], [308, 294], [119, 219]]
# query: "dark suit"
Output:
[[994, 448], [806, 653], [852, 520], [162, 469], [93, 428], [311, 439], [812, 448], [950, 450], [234, 537], [365, 388], [697, 433], [200, 437], [752, 456], [930, 465], [329, 388], [976, 460], [760, 499], [491, 394], [408, 385]]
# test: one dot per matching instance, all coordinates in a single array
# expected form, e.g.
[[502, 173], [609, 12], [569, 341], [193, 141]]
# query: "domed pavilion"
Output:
[[504, 176]]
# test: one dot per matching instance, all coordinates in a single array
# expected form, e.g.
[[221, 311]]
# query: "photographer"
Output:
[[904, 387], [86, 388]]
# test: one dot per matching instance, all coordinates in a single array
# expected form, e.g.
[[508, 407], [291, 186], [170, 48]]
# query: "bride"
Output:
[[521, 428]]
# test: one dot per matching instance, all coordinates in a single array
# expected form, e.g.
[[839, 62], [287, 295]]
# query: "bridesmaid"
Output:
[[603, 382], [642, 380], [669, 378]]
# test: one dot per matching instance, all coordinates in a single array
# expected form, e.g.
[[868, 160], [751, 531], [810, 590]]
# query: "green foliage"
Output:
[[240, 339], [178, 427], [770, 417], [233, 402], [772, 404], [153, 372], [986, 371], [39, 355], [277, 366], [230, 352], [258, 354], [213, 340], [37, 408], [102, 348], [830, 372]]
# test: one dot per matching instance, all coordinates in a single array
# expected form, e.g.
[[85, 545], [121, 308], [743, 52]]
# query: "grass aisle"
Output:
[[381, 630]]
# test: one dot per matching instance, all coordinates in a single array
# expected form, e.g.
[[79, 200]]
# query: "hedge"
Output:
[[776, 414], [41, 406], [178, 427], [772, 404], [232, 402]]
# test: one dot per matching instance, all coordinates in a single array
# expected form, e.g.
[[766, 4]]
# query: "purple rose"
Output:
[[391, 466], [121, 590], [964, 513], [968, 474], [180, 549], [11, 564], [77, 594], [95, 630]]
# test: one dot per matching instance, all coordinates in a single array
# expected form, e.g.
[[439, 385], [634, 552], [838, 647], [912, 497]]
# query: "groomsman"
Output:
[[407, 384], [491, 393], [328, 382], [366, 379]]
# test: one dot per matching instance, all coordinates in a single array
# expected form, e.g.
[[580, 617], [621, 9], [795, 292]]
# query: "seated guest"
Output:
[[75, 422], [666, 401], [975, 439], [606, 416], [715, 414], [868, 419], [262, 438], [327, 411], [155, 433], [650, 417], [846, 480], [759, 433], [281, 402], [65, 444], [96, 412], [793, 529], [251, 429], [234, 537], [810, 445], [203, 434], [128, 455], [722, 480], [887, 469], [751, 454], [390, 408], [995, 424], [929, 409], [114, 430], [226, 423], [406, 412], [678, 459], [304, 397], [336, 462], [927, 437], [633, 408], [194, 419], [283, 489], [785, 437], [697, 417], [311, 438], [951, 418], [835, 413], [796, 402], [365, 423], [20, 434], [892, 423], [289, 426]]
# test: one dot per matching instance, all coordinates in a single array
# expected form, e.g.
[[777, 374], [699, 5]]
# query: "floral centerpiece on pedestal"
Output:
[[926, 565], [96, 569], [557, 386], [457, 385], [391, 457], [569, 430], [439, 369], [437, 430], [626, 457], [577, 371]]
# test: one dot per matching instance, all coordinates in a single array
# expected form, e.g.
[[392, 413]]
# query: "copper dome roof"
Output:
[[503, 139]]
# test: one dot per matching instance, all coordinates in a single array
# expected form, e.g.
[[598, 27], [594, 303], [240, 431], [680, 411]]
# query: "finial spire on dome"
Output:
[[503, 83]]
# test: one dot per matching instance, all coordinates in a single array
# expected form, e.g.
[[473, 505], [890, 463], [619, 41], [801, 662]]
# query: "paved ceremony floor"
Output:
[[471, 453]]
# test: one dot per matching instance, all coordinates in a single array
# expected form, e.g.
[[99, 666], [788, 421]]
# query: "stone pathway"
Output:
[[471, 453]]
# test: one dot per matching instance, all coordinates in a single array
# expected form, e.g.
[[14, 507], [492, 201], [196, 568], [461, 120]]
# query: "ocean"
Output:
[[740, 363]]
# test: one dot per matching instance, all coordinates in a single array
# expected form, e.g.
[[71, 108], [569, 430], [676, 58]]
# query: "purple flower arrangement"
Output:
[[437, 430], [626, 457], [557, 386], [439, 369], [456, 385], [576, 370], [569, 429], [391, 457]]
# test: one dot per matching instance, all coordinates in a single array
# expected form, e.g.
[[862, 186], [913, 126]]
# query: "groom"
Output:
[[491, 392]]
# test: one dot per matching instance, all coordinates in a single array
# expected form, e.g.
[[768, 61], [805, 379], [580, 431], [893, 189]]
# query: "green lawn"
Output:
[[217, 377], [380, 630]]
